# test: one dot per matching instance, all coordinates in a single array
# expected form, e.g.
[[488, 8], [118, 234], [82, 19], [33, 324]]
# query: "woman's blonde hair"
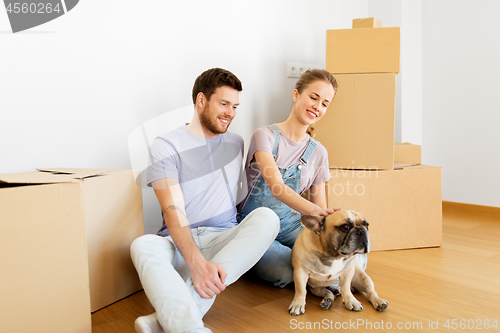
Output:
[[310, 76]]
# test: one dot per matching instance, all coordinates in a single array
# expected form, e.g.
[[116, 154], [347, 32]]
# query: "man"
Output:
[[196, 173]]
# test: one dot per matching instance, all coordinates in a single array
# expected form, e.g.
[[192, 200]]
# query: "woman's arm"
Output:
[[318, 195], [272, 176]]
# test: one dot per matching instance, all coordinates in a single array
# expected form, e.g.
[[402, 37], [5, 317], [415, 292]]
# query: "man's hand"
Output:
[[208, 277]]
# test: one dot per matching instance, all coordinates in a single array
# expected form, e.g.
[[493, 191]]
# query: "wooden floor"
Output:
[[458, 284]]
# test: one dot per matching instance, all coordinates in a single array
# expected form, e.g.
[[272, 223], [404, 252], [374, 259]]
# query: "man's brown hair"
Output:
[[212, 79]]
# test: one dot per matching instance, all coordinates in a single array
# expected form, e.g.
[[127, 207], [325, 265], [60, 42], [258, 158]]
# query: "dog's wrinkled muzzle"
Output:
[[356, 242]]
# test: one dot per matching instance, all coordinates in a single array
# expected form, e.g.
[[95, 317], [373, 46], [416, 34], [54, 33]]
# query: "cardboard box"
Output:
[[369, 22], [358, 127], [65, 237], [402, 206], [113, 219], [44, 275], [369, 50], [407, 153]]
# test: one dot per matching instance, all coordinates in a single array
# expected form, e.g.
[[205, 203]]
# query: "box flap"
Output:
[[50, 176], [420, 166], [401, 166], [34, 177], [74, 172]]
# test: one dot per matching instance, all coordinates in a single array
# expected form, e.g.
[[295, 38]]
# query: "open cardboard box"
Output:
[[65, 236], [402, 206]]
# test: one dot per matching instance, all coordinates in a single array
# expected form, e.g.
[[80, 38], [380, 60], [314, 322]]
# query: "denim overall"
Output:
[[276, 264]]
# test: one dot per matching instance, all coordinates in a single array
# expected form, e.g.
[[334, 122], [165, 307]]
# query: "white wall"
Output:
[[408, 16], [411, 71], [72, 90], [461, 107], [447, 90]]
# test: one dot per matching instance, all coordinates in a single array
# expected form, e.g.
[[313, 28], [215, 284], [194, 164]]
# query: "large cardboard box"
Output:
[[65, 237], [368, 50], [44, 275], [402, 206], [358, 127]]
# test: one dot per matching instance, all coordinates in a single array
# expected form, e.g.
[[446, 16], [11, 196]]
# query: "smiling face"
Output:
[[219, 111], [310, 105]]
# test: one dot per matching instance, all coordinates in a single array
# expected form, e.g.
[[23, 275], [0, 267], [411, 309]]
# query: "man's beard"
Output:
[[211, 122]]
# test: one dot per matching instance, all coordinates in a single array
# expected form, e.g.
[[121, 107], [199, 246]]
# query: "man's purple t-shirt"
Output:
[[209, 172]]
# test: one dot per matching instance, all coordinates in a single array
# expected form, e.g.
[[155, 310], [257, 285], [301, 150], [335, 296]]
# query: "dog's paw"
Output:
[[296, 309], [326, 303], [380, 304], [353, 305]]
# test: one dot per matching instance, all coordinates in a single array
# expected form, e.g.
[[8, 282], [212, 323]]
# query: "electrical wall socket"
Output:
[[294, 69]]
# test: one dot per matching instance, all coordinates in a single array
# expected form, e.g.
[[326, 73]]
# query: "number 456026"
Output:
[[471, 324], [33, 8]]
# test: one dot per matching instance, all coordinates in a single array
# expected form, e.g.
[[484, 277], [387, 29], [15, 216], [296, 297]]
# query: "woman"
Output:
[[284, 161]]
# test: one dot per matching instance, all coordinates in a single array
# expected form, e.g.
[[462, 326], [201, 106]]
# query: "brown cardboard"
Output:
[[44, 276], [407, 153], [104, 210], [113, 219], [369, 22], [403, 207], [113, 211], [368, 50], [358, 128]]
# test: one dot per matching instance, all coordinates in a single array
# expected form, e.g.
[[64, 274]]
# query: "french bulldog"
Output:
[[325, 251]]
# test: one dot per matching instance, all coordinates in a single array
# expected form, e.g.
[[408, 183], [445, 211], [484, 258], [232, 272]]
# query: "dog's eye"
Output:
[[365, 224], [345, 227]]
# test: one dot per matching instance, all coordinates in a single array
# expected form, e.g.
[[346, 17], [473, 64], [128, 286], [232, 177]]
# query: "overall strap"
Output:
[[309, 150], [276, 139]]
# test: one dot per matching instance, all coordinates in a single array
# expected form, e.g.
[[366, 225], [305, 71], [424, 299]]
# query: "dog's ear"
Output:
[[313, 222]]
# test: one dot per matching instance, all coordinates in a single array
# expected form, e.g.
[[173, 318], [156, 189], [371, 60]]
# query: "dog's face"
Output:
[[344, 232]]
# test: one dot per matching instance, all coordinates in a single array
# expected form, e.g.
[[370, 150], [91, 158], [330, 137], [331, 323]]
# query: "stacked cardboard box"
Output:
[[64, 237], [400, 198]]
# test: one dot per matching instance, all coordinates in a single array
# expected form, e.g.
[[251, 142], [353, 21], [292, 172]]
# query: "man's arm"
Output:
[[208, 278]]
